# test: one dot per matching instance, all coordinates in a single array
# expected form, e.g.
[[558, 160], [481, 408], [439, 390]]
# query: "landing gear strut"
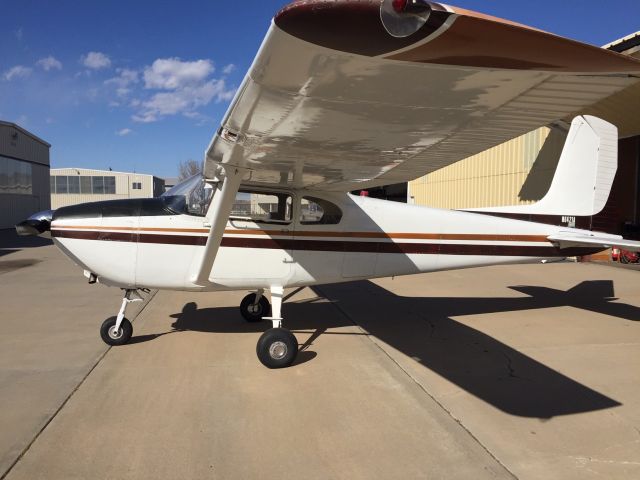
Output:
[[118, 330], [277, 347]]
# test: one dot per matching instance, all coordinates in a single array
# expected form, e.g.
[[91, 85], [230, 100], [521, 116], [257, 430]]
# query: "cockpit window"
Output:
[[190, 197], [317, 211], [262, 207]]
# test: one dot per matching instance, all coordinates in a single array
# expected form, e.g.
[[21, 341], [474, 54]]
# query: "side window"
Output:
[[262, 207], [317, 211]]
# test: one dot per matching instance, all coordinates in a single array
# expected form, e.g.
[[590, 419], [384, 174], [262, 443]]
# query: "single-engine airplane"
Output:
[[346, 95]]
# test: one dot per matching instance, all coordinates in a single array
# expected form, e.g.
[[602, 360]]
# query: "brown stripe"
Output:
[[325, 234], [335, 246], [475, 40]]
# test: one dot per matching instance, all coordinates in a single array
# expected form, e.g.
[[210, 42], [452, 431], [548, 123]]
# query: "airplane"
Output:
[[345, 96]]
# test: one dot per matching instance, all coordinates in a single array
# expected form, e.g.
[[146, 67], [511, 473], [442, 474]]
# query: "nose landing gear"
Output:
[[277, 347], [117, 331]]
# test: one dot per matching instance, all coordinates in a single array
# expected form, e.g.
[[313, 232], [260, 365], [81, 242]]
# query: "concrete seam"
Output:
[[152, 294], [417, 382]]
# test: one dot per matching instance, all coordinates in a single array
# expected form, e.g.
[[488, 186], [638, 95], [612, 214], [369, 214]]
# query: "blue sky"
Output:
[[141, 85]]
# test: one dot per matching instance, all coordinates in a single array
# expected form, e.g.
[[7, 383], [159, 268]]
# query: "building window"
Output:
[[16, 177], [137, 185], [110, 185], [82, 184], [73, 184], [62, 185], [85, 184]]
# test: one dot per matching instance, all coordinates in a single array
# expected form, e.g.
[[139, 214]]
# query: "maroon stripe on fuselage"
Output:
[[336, 245]]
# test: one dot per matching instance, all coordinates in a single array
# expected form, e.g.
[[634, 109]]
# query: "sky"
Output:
[[140, 86]]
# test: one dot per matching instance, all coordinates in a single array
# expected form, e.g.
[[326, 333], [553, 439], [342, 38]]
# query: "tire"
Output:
[[254, 313], [277, 348], [110, 337], [624, 259]]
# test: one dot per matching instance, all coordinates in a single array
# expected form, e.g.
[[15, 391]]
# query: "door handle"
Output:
[[288, 260]]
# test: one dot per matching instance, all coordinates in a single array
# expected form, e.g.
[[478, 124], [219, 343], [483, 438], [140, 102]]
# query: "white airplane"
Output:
[[349, 95]]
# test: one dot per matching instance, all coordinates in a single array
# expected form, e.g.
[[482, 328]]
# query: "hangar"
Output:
[[24, 174]]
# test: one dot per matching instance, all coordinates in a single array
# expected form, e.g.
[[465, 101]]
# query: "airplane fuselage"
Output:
[[146, 248]]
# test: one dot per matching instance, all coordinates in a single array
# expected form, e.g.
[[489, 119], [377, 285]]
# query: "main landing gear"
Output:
[[118, 330], [277, 347]]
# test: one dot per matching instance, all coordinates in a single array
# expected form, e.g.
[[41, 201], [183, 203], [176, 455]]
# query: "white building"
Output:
[[70, 186]]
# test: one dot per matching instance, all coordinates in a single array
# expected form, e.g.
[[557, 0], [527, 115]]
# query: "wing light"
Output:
[[402, 18]]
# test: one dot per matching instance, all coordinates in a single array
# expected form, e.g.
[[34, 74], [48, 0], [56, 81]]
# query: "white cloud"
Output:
[[173, 73], [125, 78], [19, 33], [124, 132], [184, 101], [49, 63], [124, 81], [17, 72], [95, 60], [228, 69]]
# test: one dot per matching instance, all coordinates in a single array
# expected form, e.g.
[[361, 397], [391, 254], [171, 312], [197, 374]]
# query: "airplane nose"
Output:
[[37, 224]]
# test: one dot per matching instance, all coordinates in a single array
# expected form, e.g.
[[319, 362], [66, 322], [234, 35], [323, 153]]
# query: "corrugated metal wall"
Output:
[[19, 144], [14, 142], [15, 208], [124, 183], [516, 172]]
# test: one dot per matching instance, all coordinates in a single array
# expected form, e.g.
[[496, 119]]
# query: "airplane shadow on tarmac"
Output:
[[423, 329]]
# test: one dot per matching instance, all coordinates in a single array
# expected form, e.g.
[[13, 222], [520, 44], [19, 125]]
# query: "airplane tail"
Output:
[[584, 176]]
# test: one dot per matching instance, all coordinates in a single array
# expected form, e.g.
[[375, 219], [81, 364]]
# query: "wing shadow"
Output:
[[423, 329]]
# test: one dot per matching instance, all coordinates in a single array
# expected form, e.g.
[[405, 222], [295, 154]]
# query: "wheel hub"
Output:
[[255, 309], [278, 350], [115, 334]]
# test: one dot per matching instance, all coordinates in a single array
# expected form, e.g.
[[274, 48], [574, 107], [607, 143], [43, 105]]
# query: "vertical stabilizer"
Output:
[[585, 172]]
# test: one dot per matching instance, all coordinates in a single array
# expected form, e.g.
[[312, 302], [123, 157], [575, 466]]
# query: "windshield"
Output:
[[191, 197]]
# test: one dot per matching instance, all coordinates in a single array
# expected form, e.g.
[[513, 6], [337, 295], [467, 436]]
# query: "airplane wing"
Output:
[[571, 239], [352, 94]]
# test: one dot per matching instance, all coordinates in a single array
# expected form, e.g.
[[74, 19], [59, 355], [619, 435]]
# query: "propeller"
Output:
[[37, 224]]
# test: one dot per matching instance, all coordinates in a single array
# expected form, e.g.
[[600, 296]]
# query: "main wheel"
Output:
[[623, 258], [254, 313], [277, 348], [112, 337]]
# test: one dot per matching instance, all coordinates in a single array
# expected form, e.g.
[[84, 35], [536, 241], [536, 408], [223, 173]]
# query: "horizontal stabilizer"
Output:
[[572, 239], [584, 175]]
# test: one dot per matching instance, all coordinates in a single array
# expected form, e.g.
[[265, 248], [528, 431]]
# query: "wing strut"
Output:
[[219, 214]]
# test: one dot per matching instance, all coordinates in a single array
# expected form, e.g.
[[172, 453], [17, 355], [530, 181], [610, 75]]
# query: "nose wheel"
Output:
[[117, 331], [277, 347], [116, 336]]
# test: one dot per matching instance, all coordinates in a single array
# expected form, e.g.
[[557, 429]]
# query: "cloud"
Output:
[[173, 73], [183, 101], [124, 132], [228, 69], [123, 82], [17, 72], [19, 33], [49, 63], [95, 60]]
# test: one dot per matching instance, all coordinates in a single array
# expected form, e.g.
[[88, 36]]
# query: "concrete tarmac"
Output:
[[503, 372], [49, 336]]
